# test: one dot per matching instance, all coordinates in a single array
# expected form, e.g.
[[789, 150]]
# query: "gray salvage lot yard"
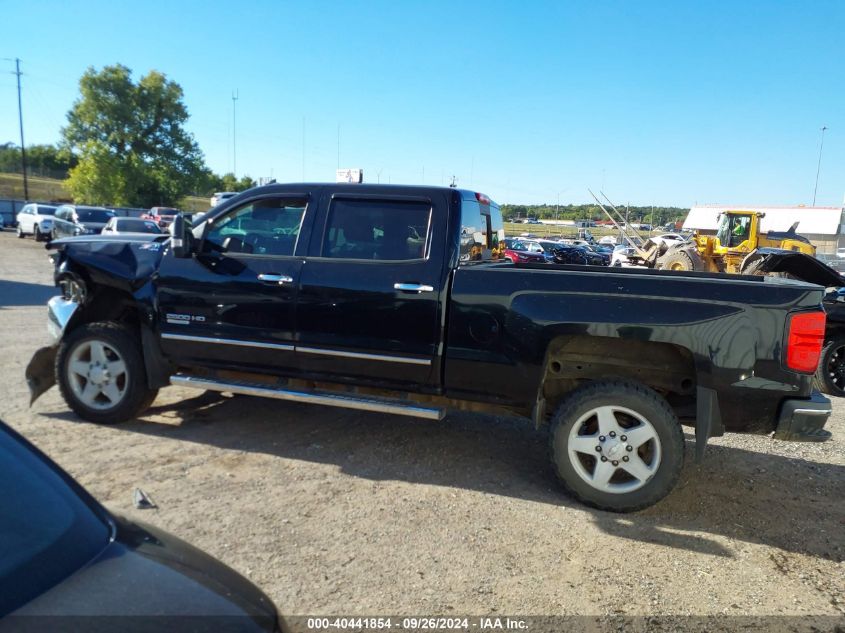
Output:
[[334, 511]]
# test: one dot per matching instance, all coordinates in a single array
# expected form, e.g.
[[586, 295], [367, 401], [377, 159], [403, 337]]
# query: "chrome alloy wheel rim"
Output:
[[614, 449], [97, 375]]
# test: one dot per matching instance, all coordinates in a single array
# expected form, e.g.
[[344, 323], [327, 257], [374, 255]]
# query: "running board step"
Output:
[[347, 401]]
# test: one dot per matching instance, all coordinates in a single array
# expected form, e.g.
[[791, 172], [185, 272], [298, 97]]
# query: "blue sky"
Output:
[[658, 102]]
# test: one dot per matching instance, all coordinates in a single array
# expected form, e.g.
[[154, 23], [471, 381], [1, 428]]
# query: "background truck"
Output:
[[393, 299]]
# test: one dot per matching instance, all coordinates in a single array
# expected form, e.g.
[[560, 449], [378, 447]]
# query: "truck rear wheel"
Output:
[[830, 376], [617, 445], [101, 374]]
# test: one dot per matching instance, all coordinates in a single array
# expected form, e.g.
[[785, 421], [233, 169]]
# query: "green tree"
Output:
[[228, 182], [133, 149]]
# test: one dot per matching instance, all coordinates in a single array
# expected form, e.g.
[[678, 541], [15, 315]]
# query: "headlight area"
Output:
[[73, 287]]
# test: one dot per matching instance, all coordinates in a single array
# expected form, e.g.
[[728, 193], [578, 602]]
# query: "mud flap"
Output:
[[41, 372], [708, 421]]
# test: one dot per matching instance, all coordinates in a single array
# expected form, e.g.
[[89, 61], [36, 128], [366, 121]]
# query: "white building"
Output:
[[823, 226]]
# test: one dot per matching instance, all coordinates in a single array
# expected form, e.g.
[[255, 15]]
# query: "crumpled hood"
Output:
[[130, 259]]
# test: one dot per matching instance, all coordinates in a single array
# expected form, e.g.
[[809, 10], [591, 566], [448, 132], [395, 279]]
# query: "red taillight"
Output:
[[482, 198], [804, 341]]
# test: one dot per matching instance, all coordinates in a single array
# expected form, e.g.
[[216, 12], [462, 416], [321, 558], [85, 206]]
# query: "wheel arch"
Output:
[[574, 360], [106, 303]]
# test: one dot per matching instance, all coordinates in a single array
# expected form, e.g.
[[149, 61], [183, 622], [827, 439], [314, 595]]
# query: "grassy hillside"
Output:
[[48, 189], [11, 186]]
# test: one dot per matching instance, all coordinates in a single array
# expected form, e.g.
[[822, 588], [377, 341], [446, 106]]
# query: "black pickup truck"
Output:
[[395, 299]]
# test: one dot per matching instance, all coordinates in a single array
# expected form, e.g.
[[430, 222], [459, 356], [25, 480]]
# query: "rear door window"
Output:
[[385, 230]]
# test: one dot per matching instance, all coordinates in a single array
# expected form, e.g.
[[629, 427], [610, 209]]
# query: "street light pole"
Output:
[[234, 135], [819, 167], [557, 207], [20, 121]]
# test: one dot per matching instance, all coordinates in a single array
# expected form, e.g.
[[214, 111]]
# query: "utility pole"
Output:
[[20, 121], [818, 168], [234, 134]]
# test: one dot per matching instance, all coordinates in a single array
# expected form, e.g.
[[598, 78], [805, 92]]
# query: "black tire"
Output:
[[832, 361], [650, 406], [39, 236], [136, 395], [681, 259]]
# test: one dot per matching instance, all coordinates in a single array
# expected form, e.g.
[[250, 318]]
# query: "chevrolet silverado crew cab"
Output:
[[396, 299]]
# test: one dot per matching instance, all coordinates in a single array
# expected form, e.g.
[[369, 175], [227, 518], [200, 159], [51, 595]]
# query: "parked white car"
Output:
[[670, 239], [131, 225], [610, 240], [621, 253], [37, 220], [221, 196]]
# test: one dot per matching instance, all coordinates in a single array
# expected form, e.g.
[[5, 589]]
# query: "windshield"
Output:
[[94, 215], [47, 531], [722, 229]]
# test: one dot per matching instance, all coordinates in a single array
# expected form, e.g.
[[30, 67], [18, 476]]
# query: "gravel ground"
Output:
[[335, 511]]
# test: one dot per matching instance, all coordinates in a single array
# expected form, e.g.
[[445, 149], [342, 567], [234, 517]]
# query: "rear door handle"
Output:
[[413, 287], [275, 279]]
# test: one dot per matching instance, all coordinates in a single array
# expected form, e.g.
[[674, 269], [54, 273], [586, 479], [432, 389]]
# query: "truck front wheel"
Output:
[[617, 445], [101, 375]]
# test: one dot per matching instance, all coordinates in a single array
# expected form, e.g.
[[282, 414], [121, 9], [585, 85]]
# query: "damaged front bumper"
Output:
[[59, 313], [804, 420], [41, 372]]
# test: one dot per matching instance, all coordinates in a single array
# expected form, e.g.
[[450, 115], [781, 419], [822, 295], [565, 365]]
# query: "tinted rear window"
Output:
[[46, 531], [46, 210], [138, 226], [377, 229], [94, 215]]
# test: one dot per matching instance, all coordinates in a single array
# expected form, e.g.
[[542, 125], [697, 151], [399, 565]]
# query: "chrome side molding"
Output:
[[346, 401], [226, 341], [382, 357]]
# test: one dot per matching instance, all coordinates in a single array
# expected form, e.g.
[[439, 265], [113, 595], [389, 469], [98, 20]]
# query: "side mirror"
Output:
[[181, 238]]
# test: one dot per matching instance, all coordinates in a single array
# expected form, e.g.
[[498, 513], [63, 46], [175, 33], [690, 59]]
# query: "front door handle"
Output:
[[275, 279], [413, 288]]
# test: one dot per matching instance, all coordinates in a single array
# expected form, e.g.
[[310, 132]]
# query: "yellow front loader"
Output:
[[738, 246]]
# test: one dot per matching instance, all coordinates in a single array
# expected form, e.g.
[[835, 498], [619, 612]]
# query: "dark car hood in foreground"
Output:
[[152, 581], [129, 259]]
